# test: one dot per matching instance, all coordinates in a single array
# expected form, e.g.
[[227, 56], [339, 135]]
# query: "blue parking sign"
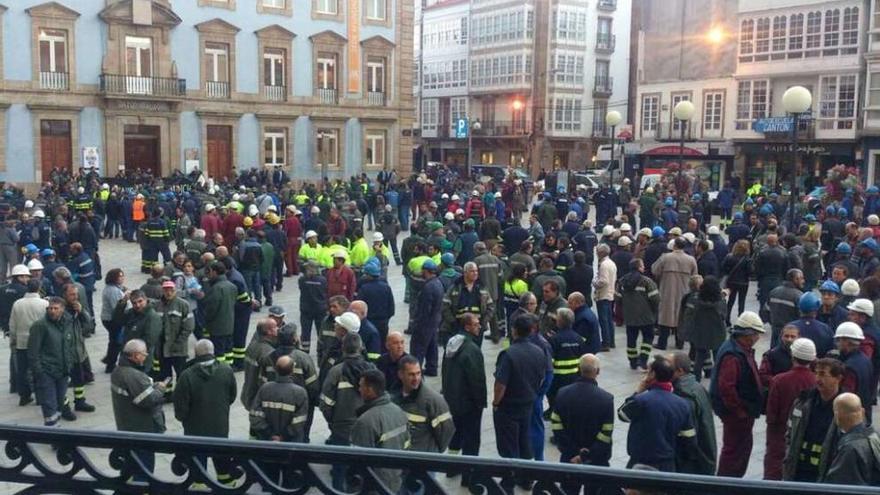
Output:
[[461, 128]]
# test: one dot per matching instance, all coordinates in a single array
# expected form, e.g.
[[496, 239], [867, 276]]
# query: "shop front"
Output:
[[771, 163], [710, 163]]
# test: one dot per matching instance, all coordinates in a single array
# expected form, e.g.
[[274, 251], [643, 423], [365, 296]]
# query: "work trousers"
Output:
[[9, 257], [606, 321], [775, 451], [306, 321], [222, 347], [466, 438], [512, 425], [423, 346], [278, 272], [392, 244], [51, 393], [292, 257], [639, 354], [167, 365], [78, 381], [268, 284], [114, 344], [382, 327], [704, 359], [239, 335], [338, 472], [22, 378], [663, 338], [737, 446], [737, 295]]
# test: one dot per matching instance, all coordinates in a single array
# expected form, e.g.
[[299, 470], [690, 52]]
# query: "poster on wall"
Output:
[[90, 158]]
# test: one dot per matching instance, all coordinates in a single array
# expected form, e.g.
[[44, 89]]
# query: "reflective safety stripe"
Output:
[[608, 427], [653, 293], [564, 371], [328, 333], [688, 433], [603, 437], [783, 302], [328, 400], [640, 289], [565, 362], [393, 433], [278, 405], [311, 379], [299, 419], [119, 390], [416, 418], [257, 413], [143, 395], [372, 356], [439, 419], [341, 385]]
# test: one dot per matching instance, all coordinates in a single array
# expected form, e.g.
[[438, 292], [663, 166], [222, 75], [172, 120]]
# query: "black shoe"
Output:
[[430, 373], [67, 414], [633, 364], [547, 414], [83, 406], [109, 368], [27, 399], [605, 348]]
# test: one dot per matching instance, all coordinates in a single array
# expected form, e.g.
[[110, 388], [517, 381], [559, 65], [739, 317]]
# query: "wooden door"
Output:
[[56, 148], [219, 151], [142, 149]]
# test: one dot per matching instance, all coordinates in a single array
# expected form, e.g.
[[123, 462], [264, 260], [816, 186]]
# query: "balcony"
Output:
[[603, 87], [116, 84], [275, 93], [55, 81], [327, 95], [217, 89], [503, 128], [600, 130], [607, 5], [605, 43], [376, 98], [667, 131]]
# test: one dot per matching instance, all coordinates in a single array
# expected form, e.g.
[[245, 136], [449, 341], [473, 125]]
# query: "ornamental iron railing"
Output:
[[54, 460]]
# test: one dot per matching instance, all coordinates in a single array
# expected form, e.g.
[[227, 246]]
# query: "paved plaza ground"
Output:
[[616, 377]]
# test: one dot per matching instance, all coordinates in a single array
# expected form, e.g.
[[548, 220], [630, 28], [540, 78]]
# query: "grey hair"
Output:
[[199, 234], [62, 272], [204, 347], [480, 247], [352, 344], [603, 250], [564, 317], [133, 346], [470, 265]]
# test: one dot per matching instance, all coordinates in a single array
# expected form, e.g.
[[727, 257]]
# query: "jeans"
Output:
[[306, 321], [606, 321], [737, 294], [51, 393], [338, 472], [252, 280], [267, 287], [113, 228], [536, 428], [403, 217]]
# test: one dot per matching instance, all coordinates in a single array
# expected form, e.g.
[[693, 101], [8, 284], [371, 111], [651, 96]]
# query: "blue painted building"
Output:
[[309, 85]]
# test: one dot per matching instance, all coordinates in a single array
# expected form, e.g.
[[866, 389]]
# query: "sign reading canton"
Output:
[[773, 125], [354, 46]]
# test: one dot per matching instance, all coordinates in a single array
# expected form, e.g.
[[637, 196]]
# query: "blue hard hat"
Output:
[[809, 302], [830, 210], [750, 201], [429, 265], [373, 269], [738, 215], [696, 197], [809, 218], [870, 243], [842, 212], [47, 252], [669, 202], [872, 190], [658, 231], [448, 259], [766, 210], [829, 286], [843, 248], [31, 248]]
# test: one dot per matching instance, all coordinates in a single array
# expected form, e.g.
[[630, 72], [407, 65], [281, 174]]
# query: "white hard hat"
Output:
[[349, 321], [20, 270], [139, 196], [311, 234], [849, 330], [316, 209], [649, 190], [625, 227], [711, 245], [79, 189], [690, 237], [803, 349], [675, 231], [39, 214], [253, 210], [274, 208], [751, 321], [209, 207], [455, 197], [444, 196], [378, 237], [105, 186], [339, 254], [607, 230], [624, 241], [449, 216], [497, 194], [670, 244], [864, 306], [30, 204], [714, 230], [849, 287], [873, 220], [645, 232], [459, 212], [34, 264], [475, 193], [235, 197]]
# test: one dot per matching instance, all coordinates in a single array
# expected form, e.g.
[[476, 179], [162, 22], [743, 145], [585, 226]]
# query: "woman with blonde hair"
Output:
[[735, 271]]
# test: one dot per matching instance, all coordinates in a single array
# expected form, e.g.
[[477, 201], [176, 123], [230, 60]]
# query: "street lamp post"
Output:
[[683, 112], [796, 101], [475, 126], [612, 119]]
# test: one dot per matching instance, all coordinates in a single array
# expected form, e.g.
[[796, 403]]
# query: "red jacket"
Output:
[[336, 226], [728, 377], [232, 221], [341, 282], [784, 389], [472, 204], [211, 225], [293, 229]]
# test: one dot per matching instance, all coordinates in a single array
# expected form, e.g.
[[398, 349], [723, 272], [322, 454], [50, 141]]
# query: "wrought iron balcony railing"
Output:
[[55, 81], [603, 87], [605, 43], [376, 98], [76, 464], [217, 89], [275, 93], [607, 5], [502, 128], [117, 84], [327, 95]]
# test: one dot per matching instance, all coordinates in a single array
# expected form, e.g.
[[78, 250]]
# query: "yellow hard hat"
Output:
[[248, 221]]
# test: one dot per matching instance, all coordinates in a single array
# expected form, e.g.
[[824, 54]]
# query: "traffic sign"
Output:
[[773, 125], [461, 128]]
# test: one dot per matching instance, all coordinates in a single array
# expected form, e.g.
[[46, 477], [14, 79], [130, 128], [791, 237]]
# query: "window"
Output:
[[832, 28], [713, 111], [216, 62], [600, 109], [747, 37], [779, 31], [676, 99], [795, 34], [487, 157], [273, 67], [375, 74], [751, 103], [375, 153], [463, 31], [328, 147], [326, 71], [565, 114], [457, 110], [568, 68], [375, 10], [445, 74], [138, 56], [429, 115], [500, 70], [650, 112], [53, 51], [327, 7], [569, 25], [837, 102], [874, 90], [850, 34], [762, 36], [814, 32], [274, 146], [274, 4], [503, 26], [810, 34]]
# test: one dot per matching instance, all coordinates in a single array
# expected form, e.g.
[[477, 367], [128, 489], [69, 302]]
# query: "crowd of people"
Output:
[[655, 265]]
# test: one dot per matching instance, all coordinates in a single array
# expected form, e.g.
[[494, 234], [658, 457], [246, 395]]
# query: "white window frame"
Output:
[[375, 9], [333, 136], [713, 112], [278, 137], [139, 44], [650, 112], [330, 7], [323, 64], [275, 59], [566, 114], [274, 4], [213, 55], [458, 109], [430, 114], [832, 100], [808, 33], [747, 109], [376, 140], [376, 77], [52, 40]]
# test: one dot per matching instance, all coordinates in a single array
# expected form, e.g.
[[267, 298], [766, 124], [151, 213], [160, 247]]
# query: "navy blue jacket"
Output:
[[818, 332], [371, 340], [586, 324], [522, 369], [583, 418], [429, 307], [661, 424], [379, 298]]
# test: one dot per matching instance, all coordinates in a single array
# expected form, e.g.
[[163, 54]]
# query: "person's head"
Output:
[[471, 272], [34, 285], [371, 385], [179, 258], [681, 363], [602, 251], [848, 411], [135, 350], [550, 290], [267, 328], [661, 369], [701, 247], [589, 366], [848, 336], [337, 305], [695, 282], [576, 300], [114, 276], [523, 325], [62, 274], [528, 302], [157, 271], [169, 290], [138, 300], [359, 308], [216, 269], [55, 310], [352, 344], [839, 274], [204, 347], [410, 373], [796, 277], [564, 318], [710, 289], [789, 334], [284, 366], [861, 311], [395, 345], [772, 239], [526, 247], [471, 323], [741, 248], [829, 375]]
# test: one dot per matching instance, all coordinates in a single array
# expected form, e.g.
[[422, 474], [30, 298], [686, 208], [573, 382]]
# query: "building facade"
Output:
[[533, 78], [870, 132], [310, 86]]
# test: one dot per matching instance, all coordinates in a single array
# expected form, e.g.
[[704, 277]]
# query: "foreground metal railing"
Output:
[[74, 462]]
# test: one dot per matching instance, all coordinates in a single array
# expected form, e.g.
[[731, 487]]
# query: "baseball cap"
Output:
[[168, 284]]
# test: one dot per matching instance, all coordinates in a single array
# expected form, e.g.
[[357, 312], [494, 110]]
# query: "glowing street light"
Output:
[[517, 105], [797, 100], [716, 35]]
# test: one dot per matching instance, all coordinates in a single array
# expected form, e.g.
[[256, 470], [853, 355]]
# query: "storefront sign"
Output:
[[676, 150], [806, 149], [773, 125]]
